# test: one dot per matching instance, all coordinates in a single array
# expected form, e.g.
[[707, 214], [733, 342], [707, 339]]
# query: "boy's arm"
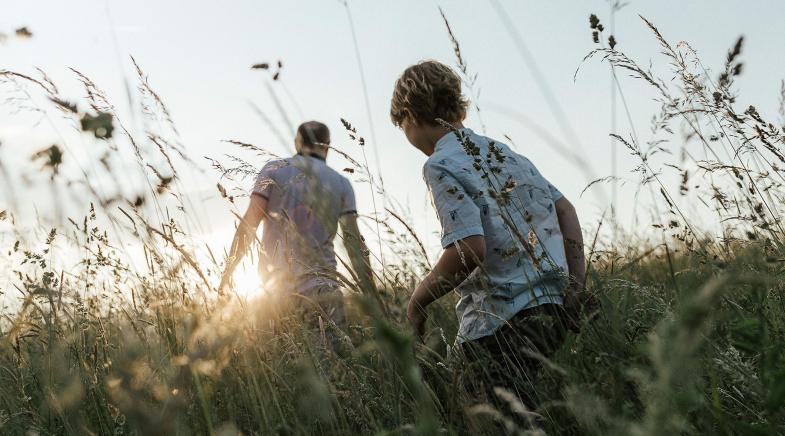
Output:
[[243, 237], [573, 243], [455, 264], [462, 239], [357, 251]]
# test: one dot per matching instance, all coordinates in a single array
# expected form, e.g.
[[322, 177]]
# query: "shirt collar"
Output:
[[450, 137], [313, 155]]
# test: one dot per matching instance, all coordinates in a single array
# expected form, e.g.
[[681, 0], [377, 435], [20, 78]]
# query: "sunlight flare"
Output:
[[247, 281]]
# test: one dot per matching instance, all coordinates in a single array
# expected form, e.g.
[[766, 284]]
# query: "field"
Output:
[[688, 337]]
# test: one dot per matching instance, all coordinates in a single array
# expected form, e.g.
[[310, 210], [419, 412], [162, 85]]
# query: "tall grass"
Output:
[[689, 338]]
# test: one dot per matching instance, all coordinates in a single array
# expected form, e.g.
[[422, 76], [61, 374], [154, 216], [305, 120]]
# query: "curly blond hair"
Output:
[[428, 91]]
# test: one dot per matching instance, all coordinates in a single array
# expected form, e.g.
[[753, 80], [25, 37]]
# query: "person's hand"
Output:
[[579, 303], [572, 308], [417, 317]]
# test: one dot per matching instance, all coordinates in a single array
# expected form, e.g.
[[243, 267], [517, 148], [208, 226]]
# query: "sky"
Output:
[[197, 56]]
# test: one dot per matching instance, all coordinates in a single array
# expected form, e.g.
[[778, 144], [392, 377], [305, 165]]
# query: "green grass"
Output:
[[698, 351], [688, 339]]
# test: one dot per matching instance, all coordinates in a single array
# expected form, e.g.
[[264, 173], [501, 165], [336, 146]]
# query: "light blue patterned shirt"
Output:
[[481, 187]]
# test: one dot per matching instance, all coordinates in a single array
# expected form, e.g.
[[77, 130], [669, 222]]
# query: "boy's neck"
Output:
[[436, 133]]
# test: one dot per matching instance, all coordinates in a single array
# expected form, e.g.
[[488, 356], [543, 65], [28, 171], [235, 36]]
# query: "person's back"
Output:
[[506, 199], [305, 200], [302, 202]]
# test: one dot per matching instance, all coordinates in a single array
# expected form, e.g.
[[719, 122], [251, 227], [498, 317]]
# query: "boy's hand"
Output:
[[417, 317], [456, 262], [580, 303]]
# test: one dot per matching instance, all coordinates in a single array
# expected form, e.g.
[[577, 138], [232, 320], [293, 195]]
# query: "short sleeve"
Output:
[[265, 180], [555, 193], [348, 203], [458, 214]]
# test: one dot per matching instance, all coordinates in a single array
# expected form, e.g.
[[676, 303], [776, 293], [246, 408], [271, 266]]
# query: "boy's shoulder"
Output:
[[448, 157], [437, 163], [497, 149], [454, 151]]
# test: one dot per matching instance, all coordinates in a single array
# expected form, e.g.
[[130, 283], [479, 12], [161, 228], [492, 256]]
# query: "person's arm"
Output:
[[462, 238], [357, 251], [573, 243], [243, 237], [455, 264]]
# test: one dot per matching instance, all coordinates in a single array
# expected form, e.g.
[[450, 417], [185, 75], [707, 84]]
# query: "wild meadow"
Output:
[[688, 337]]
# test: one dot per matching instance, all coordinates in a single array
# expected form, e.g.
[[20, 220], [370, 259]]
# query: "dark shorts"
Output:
[[512, 357]]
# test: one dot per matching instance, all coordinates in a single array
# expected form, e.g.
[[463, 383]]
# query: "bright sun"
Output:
[[247, 281]]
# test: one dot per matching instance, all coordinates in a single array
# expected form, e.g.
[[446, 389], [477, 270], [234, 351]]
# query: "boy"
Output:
[[512, 242]]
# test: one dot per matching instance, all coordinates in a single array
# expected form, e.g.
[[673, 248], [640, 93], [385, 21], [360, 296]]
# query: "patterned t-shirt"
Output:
[[481, 187], [305, 199]]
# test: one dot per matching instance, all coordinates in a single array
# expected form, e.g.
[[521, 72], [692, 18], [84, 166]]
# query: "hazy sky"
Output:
[[198, 53]]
